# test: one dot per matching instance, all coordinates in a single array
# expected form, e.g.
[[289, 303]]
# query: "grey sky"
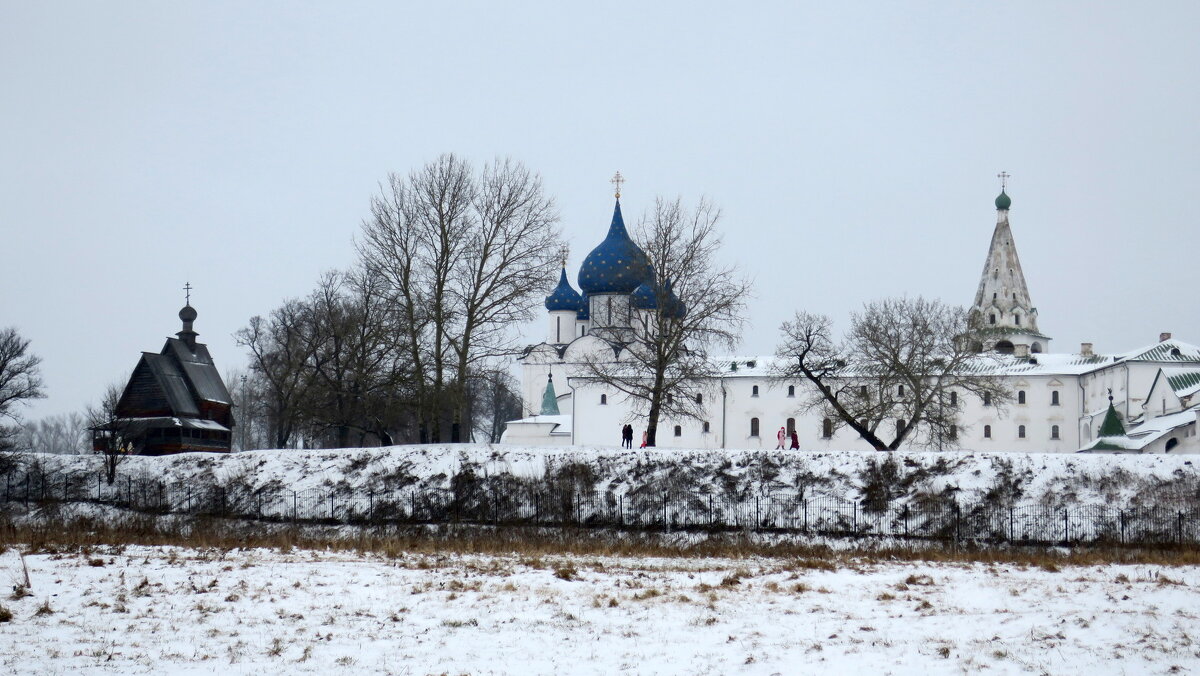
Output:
[[852, 146]]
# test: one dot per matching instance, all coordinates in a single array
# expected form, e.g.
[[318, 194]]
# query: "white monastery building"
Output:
[[1141, 401]]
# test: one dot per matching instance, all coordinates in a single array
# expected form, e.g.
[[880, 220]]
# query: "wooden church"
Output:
[[175, 401]]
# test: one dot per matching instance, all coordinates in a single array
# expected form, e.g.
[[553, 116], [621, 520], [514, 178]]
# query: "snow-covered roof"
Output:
[[1142, 435], [1184, 382], [561, 424]]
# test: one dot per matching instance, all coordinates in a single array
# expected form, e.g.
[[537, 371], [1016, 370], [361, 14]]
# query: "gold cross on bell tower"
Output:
[[1003, 176], [617, 180]]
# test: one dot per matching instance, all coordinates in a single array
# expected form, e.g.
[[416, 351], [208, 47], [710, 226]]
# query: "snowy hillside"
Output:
[[1009, 478]]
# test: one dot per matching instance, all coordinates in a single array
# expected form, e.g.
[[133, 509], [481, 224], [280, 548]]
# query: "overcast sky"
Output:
[[854, 149]]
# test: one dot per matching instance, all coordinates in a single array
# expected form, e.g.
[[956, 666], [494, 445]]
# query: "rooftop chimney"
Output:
[[1164, 336], [1085, 350]]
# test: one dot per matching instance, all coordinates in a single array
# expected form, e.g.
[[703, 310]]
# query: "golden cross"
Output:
[[1003, 176], [563, 253], [188, 289], [617, 180]]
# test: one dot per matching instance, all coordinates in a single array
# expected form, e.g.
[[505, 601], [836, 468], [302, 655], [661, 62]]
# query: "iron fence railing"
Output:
[[530, 502]]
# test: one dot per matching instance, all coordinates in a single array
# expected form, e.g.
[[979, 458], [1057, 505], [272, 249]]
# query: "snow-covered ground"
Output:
[[1022, 478], [172, 610]]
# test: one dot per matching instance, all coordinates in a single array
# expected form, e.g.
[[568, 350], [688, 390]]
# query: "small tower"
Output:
[[549, 398], [564, 305], [1002, 305], [187, 315]]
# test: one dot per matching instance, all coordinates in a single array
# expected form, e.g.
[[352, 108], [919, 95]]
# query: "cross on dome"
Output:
[[1003, 176], [617, 180]]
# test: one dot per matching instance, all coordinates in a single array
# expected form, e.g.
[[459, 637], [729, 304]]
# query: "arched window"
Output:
[[754, 391], [862, 391], [900, 391], [1017, 319], [1036, 348], [991, 319], [1020, 431], [678, 431], [1054, 397], [954, 398], [754, 427], [699, 398], [791, 426], [1171, 444], [706, 428], [1054, 431], [791, 390], [1005, 347], [987, 398], [1021, 396], [827, 428], [603, 399], [987, 431]]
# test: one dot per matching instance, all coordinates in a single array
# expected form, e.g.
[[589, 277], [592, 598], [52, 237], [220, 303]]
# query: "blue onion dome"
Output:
[[643, 298], [564, 297], [585, 312], [672, 306], [618, 265], [1003, 202]]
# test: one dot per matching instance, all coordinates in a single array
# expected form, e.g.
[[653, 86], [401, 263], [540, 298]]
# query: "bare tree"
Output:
[[496, 398], [699, 304], [278, 354], [901, 373], [63, 434], [20, 380], [112, 436], [465, 255]]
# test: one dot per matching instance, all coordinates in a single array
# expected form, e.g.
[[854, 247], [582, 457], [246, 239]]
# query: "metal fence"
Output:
[[530, 502]]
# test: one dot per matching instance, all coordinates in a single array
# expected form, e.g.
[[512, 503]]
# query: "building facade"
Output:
[[1060, 401]]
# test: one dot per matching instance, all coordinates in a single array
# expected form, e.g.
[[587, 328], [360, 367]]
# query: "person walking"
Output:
[[795, 441], [781, 436], [627, 436]]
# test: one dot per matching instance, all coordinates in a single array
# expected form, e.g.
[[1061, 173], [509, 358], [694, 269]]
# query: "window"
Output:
[[862, 391], [900, 391], [987, 398], [791, 390], [754, 427], [678, 431], [1021, 397], [1020, 431], [899, 426], [987, 431], [1171, 444], [706, 428], [791, 426], [1017, 319], [603, 399], [670, 398], [954, 398], [1054, 398], [1054, 431], [699, 398], [754, 391], [826, 428], [991, 319]]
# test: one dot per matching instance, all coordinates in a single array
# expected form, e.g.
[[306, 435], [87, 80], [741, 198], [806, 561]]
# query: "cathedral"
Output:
[[1141, 401]]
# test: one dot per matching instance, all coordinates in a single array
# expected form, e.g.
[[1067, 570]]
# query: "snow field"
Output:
[[177, 610]]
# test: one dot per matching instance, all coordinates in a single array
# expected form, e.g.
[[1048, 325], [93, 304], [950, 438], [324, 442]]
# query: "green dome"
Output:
[[1003, 202]]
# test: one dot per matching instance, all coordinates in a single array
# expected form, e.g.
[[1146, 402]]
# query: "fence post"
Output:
[[710, 516], [331, 508], [1179, 525], [537, 508], [906, 520], [622, 509], [757, 518], [805, 515], [666, 521], [1066, 527], [1011, 530], [1121, 520], [854, 506], [957, 522]]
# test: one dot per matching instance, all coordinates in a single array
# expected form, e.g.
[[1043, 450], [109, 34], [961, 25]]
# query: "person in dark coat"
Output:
[[627, 436], [795, 441]]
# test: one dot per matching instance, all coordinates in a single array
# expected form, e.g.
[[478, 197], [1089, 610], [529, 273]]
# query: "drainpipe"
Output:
[[1082, 413], [574, 410]]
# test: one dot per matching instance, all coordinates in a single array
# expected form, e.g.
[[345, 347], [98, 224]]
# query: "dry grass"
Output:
[[531, 544]]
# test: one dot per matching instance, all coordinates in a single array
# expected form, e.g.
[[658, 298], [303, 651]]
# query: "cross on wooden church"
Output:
[[187, 288], [617, 180]]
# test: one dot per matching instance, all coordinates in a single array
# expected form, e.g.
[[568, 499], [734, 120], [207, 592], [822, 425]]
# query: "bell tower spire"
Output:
[[1002, 305]]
